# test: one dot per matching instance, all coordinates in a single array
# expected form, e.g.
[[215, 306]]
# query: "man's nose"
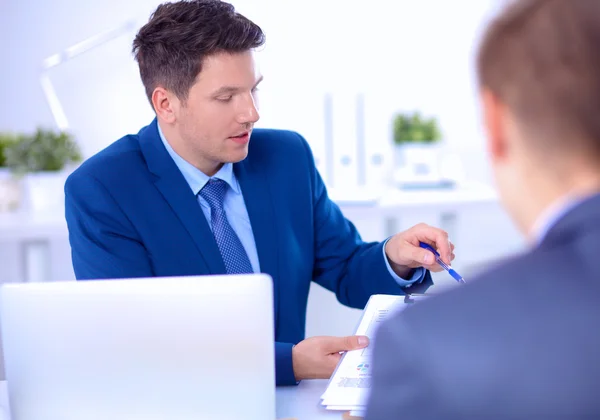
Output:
[[249, 113]]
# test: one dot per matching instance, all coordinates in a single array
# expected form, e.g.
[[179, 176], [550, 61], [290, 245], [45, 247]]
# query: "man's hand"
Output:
[[404, 253], [317, 357]]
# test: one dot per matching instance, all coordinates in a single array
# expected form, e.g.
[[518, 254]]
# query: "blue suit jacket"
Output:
[[131, 213], [521, 342]]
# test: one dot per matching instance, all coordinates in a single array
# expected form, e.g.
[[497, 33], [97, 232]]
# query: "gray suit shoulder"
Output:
[[514, 283]]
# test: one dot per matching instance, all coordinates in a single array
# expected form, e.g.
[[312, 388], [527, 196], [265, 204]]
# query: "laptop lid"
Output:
[[156, 348]]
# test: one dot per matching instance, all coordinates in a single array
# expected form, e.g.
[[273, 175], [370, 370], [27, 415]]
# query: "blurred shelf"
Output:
[[25, 226]]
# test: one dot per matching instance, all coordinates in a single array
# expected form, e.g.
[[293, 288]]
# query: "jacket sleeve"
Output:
[[284, 368]]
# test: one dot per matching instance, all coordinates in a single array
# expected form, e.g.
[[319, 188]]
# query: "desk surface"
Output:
[[300, 402], [303, 402]]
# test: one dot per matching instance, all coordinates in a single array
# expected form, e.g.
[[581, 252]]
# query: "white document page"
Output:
[[350, 383]]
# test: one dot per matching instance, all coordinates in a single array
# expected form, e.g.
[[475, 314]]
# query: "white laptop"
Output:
[[178, 348]]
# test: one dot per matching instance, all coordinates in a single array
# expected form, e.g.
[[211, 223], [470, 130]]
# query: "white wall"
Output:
[[401, 55], [96, 89]]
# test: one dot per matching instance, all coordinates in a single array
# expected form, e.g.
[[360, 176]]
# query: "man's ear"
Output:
[[494, 119], [165, 104]]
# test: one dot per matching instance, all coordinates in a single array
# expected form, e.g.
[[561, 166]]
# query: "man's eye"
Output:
[[224, 98]]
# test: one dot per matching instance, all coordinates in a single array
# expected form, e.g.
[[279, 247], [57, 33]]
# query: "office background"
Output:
[[335, 71]]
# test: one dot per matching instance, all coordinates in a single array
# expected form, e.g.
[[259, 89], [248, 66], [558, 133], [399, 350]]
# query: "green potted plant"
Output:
[[415, 129], [43, 160], [10, 191], [416, 139], [6, 139], [43, 151]]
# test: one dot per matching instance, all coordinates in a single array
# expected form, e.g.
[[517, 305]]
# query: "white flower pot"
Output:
[[418, 165], [10, 191], [44, 191]]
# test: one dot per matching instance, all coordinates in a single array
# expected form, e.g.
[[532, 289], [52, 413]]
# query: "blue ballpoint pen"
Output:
[[445, 266]]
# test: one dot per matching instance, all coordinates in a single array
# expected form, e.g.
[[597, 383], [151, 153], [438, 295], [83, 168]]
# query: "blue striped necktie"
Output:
[[232, 251]]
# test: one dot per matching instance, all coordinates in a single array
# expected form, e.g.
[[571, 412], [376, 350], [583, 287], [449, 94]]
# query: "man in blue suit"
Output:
[[193, 193], [521, 341]]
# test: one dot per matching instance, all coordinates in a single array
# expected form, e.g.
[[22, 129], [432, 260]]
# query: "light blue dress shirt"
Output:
[[237, 214]]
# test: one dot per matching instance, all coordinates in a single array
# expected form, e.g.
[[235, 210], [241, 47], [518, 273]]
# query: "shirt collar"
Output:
[[195, 178], [551, 215]]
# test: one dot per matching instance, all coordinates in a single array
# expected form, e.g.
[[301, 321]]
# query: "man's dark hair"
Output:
[[542, 59], [171, 47]]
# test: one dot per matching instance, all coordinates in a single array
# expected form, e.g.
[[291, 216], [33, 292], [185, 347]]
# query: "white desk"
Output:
[[300, 402]]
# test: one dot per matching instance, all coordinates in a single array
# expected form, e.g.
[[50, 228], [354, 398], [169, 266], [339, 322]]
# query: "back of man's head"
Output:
[[541, 59], [171, 47], [539, 76]]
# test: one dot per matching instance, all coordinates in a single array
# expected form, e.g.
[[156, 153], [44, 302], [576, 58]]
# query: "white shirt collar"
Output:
[[551, 215]]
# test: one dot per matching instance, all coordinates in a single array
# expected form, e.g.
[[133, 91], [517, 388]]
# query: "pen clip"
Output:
[[425, 245]]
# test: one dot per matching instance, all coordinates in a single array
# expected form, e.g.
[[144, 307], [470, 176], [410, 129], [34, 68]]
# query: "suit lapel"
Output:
[[174, 188], [259, 204]]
